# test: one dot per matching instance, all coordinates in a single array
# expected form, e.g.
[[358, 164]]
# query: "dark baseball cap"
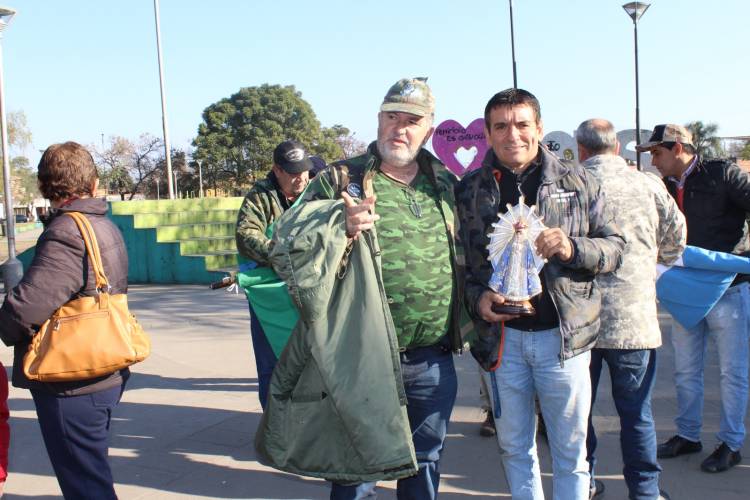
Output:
[[292, 158], [666, 133]]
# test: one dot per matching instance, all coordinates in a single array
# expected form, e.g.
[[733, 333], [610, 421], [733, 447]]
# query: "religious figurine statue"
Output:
[[514, 259]]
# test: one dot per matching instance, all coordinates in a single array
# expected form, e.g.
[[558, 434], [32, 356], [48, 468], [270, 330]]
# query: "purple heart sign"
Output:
[[460, 149]]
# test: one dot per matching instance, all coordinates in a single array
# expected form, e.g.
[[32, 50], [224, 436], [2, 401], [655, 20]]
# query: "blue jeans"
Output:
[[265, 359], [430, 383], [632, 372], [727, 325], [531, 365]]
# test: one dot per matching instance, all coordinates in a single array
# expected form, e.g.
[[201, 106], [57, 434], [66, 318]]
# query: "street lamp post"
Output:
[[165, 127], [158, 195], [636, 10], [513, 46], [200, 179], [12, 268]]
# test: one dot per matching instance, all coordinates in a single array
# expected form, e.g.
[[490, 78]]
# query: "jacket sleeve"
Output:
[[252, 223], [473, 288], [738, 186], [53, 278], [671, 231], [600, 251]]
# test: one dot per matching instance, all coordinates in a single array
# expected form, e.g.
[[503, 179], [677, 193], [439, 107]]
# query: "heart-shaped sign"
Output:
[[460, 149], [466, 156]]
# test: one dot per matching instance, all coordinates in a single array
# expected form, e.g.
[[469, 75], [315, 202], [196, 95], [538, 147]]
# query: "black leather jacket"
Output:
[[716, 201]]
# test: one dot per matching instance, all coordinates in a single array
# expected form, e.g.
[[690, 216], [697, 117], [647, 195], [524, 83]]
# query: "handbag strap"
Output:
[[92, 248]]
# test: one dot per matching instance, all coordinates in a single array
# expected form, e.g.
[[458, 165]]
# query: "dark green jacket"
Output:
[[336, 406], [569, 198], [361, 170]]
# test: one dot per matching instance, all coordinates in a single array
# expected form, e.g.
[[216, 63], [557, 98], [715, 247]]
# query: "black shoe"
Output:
[[723, 458], [596, 489], [678, 446], [487, 428]]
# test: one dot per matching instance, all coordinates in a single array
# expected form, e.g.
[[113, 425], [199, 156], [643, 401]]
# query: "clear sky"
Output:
[[83, 68]]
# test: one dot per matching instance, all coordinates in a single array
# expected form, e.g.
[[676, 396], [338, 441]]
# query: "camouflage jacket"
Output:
[[261, 207], [655, 231], [568, 198], [359, 173]]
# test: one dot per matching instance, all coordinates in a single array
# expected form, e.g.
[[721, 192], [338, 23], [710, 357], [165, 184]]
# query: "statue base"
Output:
[[516, 308]]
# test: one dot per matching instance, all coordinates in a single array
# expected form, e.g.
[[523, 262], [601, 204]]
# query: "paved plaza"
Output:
[[185, 426]]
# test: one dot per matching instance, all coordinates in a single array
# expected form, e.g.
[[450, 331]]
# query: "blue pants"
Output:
[[727, 325], [265, 359], [531, 367], [76, 433], [633, 375], [430, 384]]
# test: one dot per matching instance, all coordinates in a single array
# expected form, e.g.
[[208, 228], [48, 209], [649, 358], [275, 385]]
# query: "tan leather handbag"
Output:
[[90, 336]]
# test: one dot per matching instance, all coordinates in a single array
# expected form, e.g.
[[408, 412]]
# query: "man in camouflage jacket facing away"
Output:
[[406, 197], [656, 231], [548, 353], [262, 206]]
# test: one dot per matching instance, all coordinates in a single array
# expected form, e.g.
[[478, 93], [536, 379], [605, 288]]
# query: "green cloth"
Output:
[[415, 258], [269, 297]]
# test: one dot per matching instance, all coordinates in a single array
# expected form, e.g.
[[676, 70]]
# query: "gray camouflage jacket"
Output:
[[568, 198], [655, 231]]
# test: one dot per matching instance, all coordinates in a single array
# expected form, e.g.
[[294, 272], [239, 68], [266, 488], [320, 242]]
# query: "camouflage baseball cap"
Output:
[[410, 95], [667, 133]]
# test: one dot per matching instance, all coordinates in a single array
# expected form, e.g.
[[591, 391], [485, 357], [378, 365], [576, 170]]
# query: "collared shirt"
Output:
[[681, 182]]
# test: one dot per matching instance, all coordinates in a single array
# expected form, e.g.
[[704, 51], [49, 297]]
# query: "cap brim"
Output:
[[297, 167], [399, 107], [647, 146]]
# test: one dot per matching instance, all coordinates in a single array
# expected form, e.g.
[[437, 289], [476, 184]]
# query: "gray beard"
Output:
[[396, 159]]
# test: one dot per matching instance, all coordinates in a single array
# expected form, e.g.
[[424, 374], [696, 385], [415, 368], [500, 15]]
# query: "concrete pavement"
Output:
[[185, 426]]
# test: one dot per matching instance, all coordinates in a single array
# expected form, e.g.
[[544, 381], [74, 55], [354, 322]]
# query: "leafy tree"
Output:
[[349, 145], [745, 151], [126, 166], [114, 163], [707, 143], [236, 140], [25, 181], [23, 177]]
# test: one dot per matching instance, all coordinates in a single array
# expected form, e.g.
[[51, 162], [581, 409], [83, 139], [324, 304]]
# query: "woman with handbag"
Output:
[[74, 416]]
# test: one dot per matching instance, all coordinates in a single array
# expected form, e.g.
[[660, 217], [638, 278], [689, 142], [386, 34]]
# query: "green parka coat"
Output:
[[336, 406]]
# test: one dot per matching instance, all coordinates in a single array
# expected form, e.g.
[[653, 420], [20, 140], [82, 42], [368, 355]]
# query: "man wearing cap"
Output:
[[629, 334], [401, 192], [263, 204], [546, 354], [714, 195]]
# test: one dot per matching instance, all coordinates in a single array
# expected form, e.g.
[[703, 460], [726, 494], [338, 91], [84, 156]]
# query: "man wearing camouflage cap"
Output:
[[413, 218], [714, 195]]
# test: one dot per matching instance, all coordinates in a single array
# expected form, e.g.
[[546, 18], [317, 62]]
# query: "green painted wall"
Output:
[[175, 241]]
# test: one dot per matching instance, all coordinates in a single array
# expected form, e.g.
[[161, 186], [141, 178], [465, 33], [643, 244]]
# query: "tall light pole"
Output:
[[12, 268], [635, 10], [165, 127], [513, 46], [200, 178]]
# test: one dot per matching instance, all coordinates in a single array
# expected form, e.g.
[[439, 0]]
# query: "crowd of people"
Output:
[[385, 258]]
